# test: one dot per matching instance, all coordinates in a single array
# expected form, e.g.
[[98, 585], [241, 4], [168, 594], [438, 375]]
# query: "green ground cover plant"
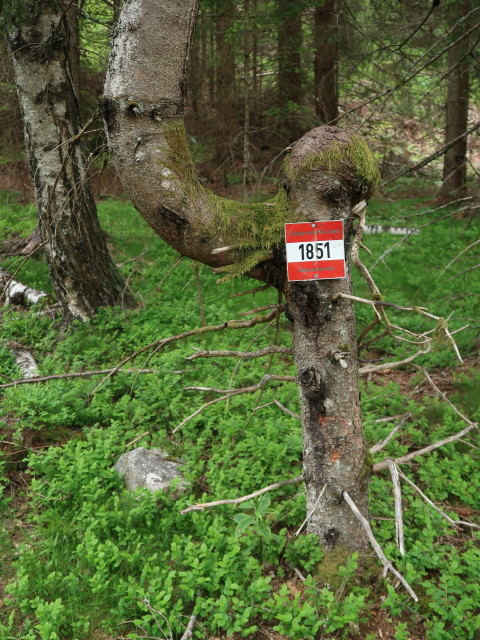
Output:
[[92, 561]]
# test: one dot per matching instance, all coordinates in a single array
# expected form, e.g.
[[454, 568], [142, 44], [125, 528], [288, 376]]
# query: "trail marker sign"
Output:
[[315, 250]]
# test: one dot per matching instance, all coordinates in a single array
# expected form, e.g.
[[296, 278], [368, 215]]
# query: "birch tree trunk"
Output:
[[328, 172], [83, 274]]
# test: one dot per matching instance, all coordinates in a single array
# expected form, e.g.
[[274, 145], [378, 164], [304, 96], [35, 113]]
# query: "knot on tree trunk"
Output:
[[334, 166]]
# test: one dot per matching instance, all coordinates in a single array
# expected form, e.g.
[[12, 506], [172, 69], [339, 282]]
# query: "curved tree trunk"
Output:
[[83, 274], [143, 109]]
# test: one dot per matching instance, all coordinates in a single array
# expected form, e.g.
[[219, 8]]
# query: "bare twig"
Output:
[[309, 515], [129, 444], [169, 271], [235, 501], [198, 284], [255, 387], [434, 155], [459, 275], [442, 206], [379, 466], [250, 291], [229, 393], [159, 344], [280, 307], [78, 374], [368, 530], [397, 494], [393, 365], [243, 355], [434, 506], [383, 443], [189, 630], [287, 411], [156, 612], [442, 395], [390, 418]]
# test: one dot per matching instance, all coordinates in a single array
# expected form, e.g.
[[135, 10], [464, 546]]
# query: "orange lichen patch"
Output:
[[335, 456]]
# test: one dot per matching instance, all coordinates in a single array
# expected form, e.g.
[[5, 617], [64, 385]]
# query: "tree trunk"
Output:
[[326, 61], [225, 99], [83, 274], [454, 183], [328, 172], [290, 90], [325, 352]]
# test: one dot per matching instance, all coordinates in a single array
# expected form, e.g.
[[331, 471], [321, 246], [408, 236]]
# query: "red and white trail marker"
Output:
[[315, 250]]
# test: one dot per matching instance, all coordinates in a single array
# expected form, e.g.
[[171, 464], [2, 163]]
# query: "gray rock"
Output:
[[149, 469]]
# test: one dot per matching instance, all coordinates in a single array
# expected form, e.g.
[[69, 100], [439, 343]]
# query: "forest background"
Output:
[[82, 558]]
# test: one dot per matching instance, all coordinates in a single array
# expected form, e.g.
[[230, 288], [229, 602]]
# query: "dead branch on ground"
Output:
[[235, 501]]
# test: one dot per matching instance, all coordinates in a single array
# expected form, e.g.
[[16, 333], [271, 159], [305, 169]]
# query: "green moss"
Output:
[[352, 160], [327, 569], [367, 466], [179, 159], [253, 229]]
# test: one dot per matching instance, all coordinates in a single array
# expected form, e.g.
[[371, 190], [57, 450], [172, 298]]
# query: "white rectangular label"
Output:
[[308, 251]]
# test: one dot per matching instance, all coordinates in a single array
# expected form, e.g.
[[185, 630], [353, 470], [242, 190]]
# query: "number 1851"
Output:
[[315, 251]]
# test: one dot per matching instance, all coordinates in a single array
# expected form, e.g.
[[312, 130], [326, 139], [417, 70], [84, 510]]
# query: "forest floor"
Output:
[[81, 559]]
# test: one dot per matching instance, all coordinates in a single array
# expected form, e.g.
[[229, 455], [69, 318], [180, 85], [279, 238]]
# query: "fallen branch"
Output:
[[243, 355], [457, 257], [235, 501], [397, 494], [394, 365], [159, 344], [383, 443], [254, 387], [442, 395], [309, 515], [368, 530], [24, 360], [189, 630], [78, 374], [379, 466], [229, 393], [15, 292], [434, 506]]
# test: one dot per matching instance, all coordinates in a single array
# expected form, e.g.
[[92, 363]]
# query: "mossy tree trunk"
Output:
[[83, 274], [328, 172]]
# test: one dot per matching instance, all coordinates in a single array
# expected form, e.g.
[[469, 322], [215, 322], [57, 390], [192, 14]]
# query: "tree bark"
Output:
[[454, 182], [225, 98], [83, 274], [143, 109], [325, 352], [326, 61], [290, 89]]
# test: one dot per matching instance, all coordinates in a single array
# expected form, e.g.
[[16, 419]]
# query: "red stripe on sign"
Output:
[[314, 231], [316, 270]]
